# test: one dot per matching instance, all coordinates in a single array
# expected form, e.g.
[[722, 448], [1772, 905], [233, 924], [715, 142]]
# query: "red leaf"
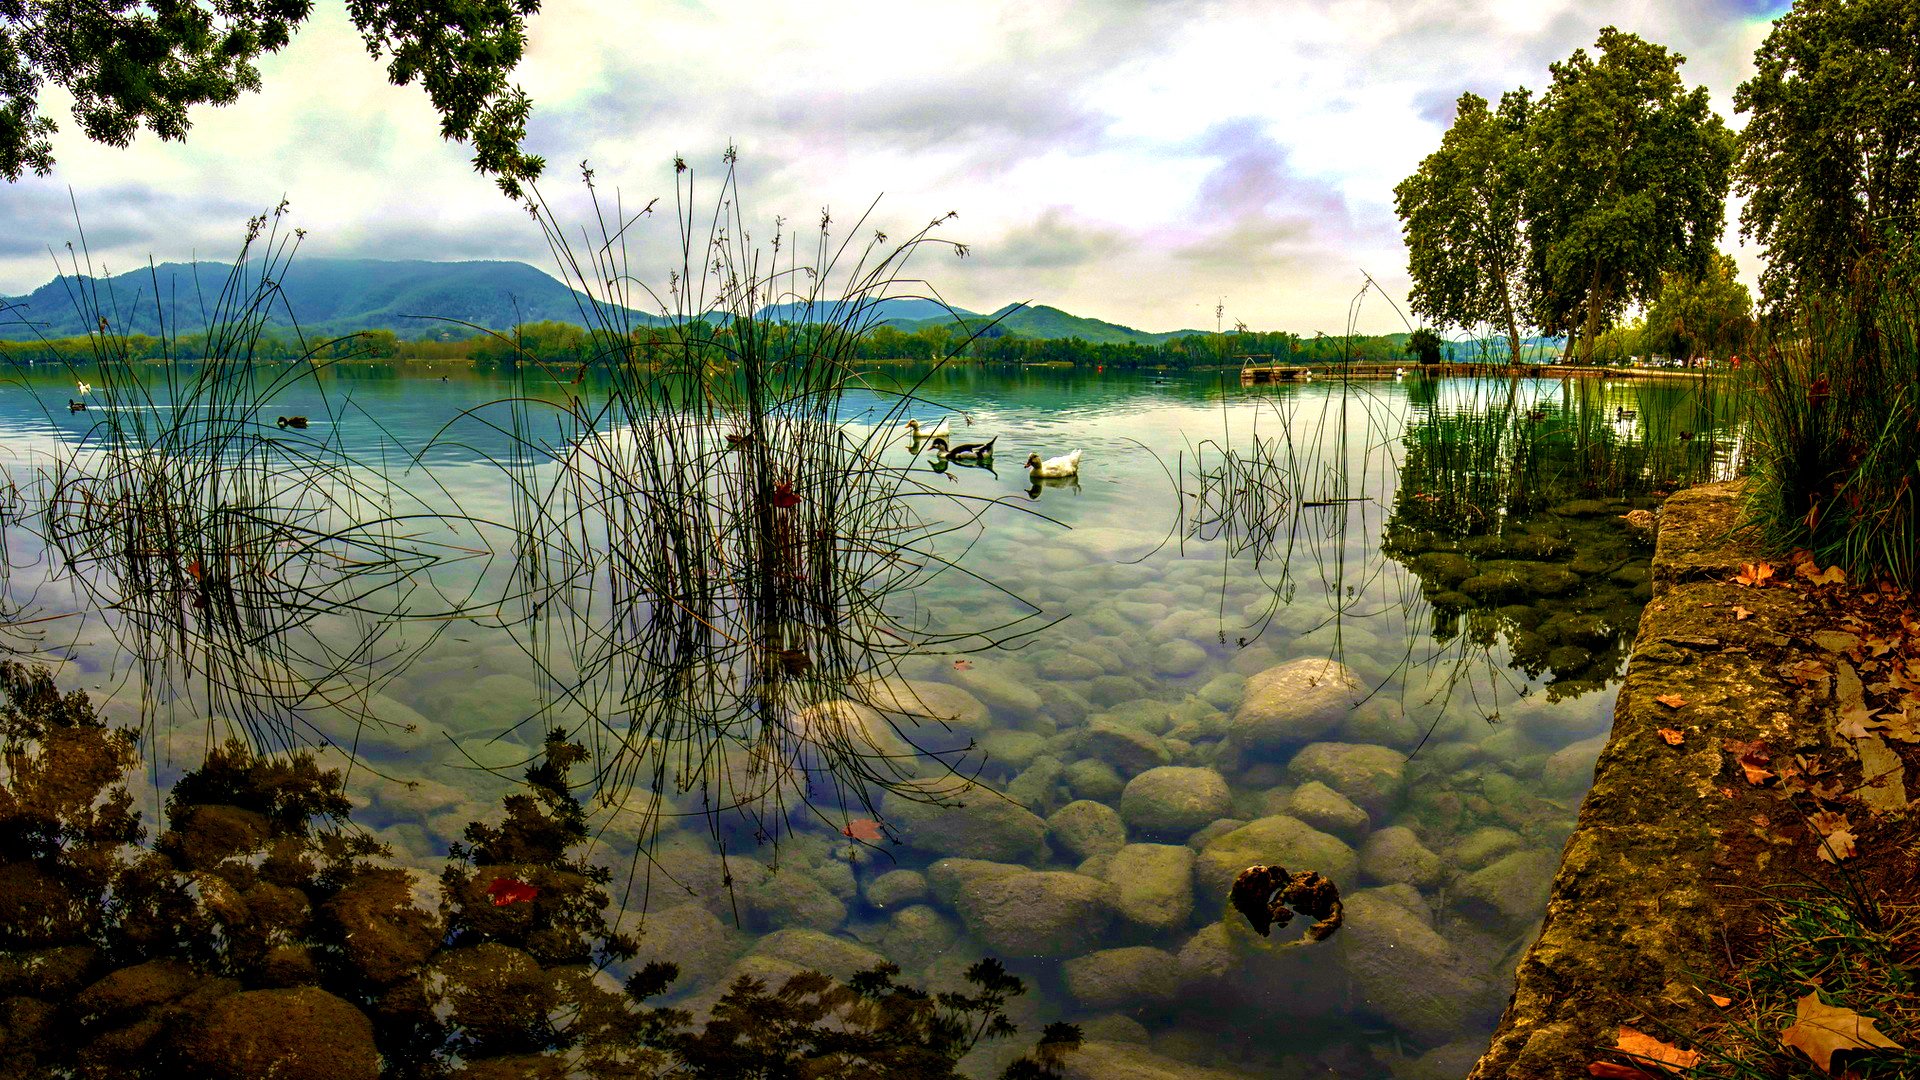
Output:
[[194, 571], [962, 665], [783, 496], [1607, 1070], [1674, 738], [862, 829], [508, 890], [1671, 701]]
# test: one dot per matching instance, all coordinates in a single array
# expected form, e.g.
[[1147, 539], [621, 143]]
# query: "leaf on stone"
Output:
[[1820, 1030], [1648, 1049], [1671, 701], [1740, 613], [1836, 835], [1754, 574], [1806, 671], [1674, 738], [1752, 758], [1853, 721]]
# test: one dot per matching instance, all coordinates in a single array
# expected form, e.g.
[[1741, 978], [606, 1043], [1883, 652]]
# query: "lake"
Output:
[[1257, 628]]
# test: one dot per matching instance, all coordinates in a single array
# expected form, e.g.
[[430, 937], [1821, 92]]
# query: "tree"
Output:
[[1828, 160], [129, 62], [1629, 181], [1423, 346], [1707, 314], [1461, 213]]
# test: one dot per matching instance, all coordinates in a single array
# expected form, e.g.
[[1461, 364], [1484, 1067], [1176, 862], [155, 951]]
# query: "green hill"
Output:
[[1041, 321]]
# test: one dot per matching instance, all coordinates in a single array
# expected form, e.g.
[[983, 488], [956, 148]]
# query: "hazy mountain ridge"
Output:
[[337, 296]]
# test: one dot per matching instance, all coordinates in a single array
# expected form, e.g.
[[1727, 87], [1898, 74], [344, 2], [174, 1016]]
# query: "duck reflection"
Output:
[[1060, 483]]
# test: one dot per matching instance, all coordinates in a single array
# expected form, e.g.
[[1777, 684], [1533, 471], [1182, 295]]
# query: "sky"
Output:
[[1139, 161]]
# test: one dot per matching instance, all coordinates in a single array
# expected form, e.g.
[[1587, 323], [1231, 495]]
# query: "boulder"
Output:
[[815, 951], [1128, 749], [1394, 856], [912, 704], [980, 824], [1086, 828], [1177, 658], [1371, 776], [1039, 914], [1122, 978], [1153, 885], [1004, 691], [1327, 810], [1171, 802], [382, 933], [1511, 889], [1292, 703], [897, 888], [1569, 772], [1101, 1060], [1270, 841], [686, 934], [916, 936], [1403, 971], [790, 897], [302, 1033], [1090, 778], [948, 878], [1482, 846]]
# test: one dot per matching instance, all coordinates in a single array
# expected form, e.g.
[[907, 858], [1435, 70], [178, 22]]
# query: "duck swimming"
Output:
[[940, 430], [969, 451], [1053, 468], [76, 406], [292, 421]]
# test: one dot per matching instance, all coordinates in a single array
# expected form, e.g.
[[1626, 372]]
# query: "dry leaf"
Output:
[[1649, 1049], [1821, 1030], [1740, 613], [1836, 835], [1853, 722], [1754, 574], [1808, 671], [1674, 738], [1671, 701], [1832, 575], [1607, 1070], [1722, 1002], [1752, 757]]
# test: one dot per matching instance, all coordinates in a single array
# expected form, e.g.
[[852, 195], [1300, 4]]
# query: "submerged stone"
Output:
[[1036, 914], [1172, 801], [1372, 776], [1085, 828], [1153, 885], [1292, 703], [303, 1033], [1122, 978]]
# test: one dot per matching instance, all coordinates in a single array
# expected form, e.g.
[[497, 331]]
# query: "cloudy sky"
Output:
[[1133, 160]]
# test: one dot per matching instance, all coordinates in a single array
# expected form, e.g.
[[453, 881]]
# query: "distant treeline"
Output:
[[564, 343]]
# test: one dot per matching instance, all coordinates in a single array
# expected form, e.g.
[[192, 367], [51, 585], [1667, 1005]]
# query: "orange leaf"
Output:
[[862, 829], [1820, 1031], [1752, 757], [962, 664], [1649, 1049], [1607, 1070], [1740, 613], [194, 571], [1832, 575], [508, 890], [1754, 574], [1674, 738], [1671, 701], [1722, 1002]]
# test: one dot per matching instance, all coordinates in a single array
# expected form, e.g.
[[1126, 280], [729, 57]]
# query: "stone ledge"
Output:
[[1629, 928]]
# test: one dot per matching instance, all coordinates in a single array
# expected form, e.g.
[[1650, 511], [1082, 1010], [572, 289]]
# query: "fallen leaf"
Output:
[[1832, 575], [1720, 1001], [509, 890], [1649, 1049], [1740, 613], [1853, 721], [1671, 701], [862, 829], [1754, 574], [1836, 835], [194, 571], [962, 665], [1821, 1030], [1607, 1070], [1903, 726], [1752, 758], [1674, 738], [784, 497]]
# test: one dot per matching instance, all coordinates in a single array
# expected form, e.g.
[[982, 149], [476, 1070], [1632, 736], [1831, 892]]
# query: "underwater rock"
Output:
[[789, 897], [1511, 889], [1036, 914], [1371, 776], [1128, 1061], [1292, 703], [1224, 691], [816, 951], [1153, 885], [897, 888], [916, 936], [915, 703], [1090, 778], [1122, 978], [1176, 659], [382, 933], [1327, 810], [1442, 570], [1038, 787], [1085, 828], [1405, 972], [303, 1033], [1212, 831], [1394, 855], [1482, 846], [1129, 750], [204, 836], [1570, 770], [1066, 665], [985, 826], [1115, 1027], [1002, 691], [1382, 723], [1013, 749], [949, 877], [1276, 840], [1172, 801]]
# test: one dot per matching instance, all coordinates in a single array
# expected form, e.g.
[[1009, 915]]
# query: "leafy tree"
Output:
[[1629, 182], [1424, 346], [1462, 214], [1708, 314], [128, 63], [1827, 160]]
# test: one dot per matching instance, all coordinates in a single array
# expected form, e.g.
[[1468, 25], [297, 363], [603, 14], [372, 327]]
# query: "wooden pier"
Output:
[[1258, 374]]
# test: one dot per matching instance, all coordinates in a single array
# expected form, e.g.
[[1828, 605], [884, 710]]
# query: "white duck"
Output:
[[85, 389], [940, 430], [1053, 468]]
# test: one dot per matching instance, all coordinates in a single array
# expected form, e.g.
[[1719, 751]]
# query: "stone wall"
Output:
[[1632, 923]]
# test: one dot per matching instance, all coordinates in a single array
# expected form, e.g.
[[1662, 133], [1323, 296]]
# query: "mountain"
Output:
[[327, 296], [339, 296], [1041, 321]]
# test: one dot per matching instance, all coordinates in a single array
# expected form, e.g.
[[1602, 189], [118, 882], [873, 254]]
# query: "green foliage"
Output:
[[1709, 314], [1462, 213], [1827, 161], [1629, 182], [1621, 343], [128, 64], [1424, 346]]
